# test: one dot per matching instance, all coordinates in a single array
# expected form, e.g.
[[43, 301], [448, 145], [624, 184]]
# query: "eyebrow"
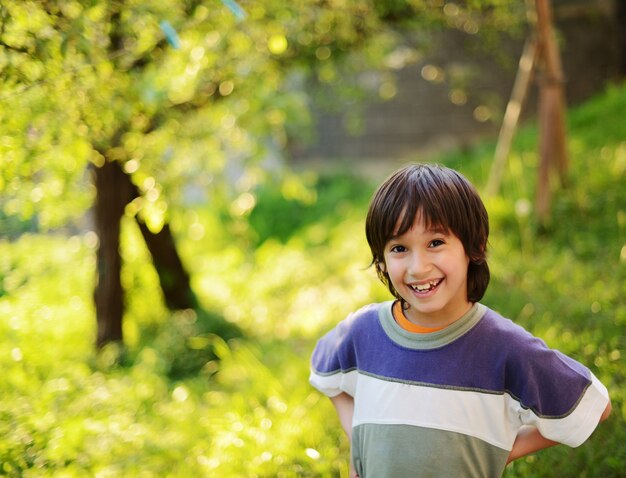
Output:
[[430, 230]]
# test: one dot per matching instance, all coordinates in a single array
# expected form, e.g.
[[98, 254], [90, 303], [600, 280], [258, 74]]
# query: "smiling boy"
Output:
[[435, 383]]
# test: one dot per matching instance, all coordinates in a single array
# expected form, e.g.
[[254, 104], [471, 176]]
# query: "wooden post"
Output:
[[552, 147], [511, 115]]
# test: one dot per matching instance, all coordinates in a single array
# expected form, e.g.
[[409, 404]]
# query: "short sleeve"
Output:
[[558, 395], [574, 428], [334, 359]]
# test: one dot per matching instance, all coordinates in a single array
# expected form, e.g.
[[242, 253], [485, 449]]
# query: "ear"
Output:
[[381, 266]]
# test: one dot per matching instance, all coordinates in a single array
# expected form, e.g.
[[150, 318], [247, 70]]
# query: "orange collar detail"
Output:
[[406, 324]]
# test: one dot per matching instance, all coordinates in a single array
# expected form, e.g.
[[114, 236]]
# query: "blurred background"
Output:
[[183, 186]]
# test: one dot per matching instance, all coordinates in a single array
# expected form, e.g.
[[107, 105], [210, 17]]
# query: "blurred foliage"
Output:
[[300, 205], [198, 99], [67, 412]]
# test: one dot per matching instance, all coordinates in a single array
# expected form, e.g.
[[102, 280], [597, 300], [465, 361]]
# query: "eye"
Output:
[[398, 249], [436, 243]]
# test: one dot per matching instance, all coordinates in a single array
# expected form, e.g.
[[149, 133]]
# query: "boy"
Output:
[[435, 383]]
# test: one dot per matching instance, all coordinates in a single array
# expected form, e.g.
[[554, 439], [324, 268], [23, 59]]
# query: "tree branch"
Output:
[[22, 50]]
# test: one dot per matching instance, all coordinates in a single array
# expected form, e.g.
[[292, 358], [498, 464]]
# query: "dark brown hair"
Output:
[[444, 198]]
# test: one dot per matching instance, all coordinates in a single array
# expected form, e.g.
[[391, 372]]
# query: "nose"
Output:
[[419, 266]]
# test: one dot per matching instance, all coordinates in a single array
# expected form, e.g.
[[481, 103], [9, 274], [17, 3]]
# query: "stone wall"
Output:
[[421, 118]]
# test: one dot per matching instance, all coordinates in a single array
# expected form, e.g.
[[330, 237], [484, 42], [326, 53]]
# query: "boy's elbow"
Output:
[[606, 412]]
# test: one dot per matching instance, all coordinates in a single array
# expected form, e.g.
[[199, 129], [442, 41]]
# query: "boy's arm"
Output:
[[529, 440], [344, 404]]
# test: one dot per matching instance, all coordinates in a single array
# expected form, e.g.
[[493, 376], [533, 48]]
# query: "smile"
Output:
[[427, 287]]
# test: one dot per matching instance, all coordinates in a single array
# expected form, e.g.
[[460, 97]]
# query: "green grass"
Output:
[[66, 412]]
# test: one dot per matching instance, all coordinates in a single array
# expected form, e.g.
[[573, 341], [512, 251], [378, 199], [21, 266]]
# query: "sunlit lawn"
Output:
[[250, 412]]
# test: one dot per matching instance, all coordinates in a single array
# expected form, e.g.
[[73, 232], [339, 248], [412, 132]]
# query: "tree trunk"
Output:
[[114, 191], [111, 199], [173, 277]]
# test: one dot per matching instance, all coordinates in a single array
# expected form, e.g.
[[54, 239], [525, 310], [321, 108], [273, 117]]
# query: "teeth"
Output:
[[425, 287]]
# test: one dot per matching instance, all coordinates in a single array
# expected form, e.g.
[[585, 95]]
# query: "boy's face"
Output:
[[428, 269]]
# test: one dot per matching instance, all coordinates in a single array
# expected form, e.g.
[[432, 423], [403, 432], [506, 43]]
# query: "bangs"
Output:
[[419, 210], [419, 200]]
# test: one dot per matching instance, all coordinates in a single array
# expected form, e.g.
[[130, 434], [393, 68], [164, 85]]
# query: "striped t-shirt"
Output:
[[450, 403]]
